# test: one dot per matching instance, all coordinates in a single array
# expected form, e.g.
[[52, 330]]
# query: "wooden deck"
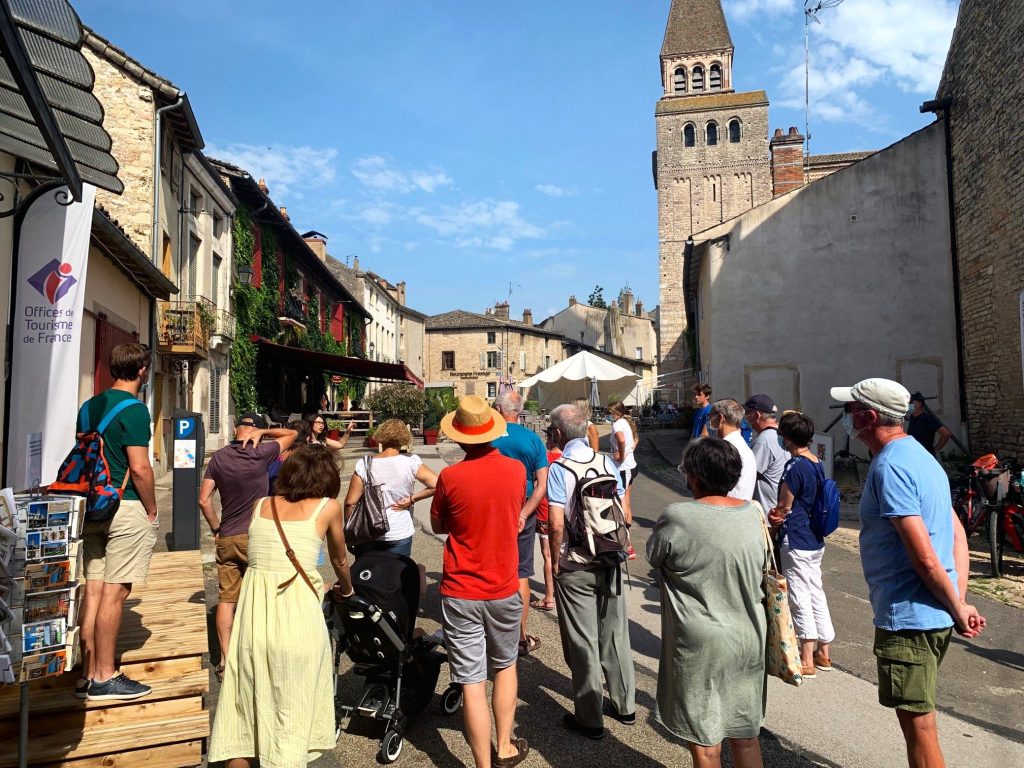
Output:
[[163, 639]]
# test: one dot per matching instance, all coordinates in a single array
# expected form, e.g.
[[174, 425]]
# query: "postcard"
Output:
[[6, 669], [8, 510], [37, 512], [8, 543], [47, 605], [42, 636], [43, 665], [46, 576], [34, 545]]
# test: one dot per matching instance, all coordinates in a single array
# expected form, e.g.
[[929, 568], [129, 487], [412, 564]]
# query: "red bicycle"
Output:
[[988, 492]]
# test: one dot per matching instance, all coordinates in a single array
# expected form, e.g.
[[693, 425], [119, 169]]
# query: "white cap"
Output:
[[883, 395]]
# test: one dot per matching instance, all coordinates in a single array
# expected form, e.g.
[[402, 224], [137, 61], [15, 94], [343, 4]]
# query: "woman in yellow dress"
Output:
[[277, 701]]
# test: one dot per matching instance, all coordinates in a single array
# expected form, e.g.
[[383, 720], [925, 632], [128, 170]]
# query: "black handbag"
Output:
[[369, 520]]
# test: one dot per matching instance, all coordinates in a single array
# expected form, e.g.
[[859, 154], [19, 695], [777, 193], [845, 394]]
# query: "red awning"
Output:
[[350, 367]]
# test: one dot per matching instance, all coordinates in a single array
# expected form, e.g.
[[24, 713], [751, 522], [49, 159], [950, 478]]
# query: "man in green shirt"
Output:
[[117, 551]]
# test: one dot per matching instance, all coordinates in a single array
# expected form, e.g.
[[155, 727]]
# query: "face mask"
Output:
[[848, 426]]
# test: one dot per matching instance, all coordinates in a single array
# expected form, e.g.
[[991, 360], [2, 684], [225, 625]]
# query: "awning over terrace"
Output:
[[341, 365]]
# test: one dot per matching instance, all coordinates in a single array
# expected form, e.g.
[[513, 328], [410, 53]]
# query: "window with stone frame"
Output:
[[679, 80], [715, 77], [712, 133], [448, 361], [493, 360], [491, 337], [492, 389], [698, 78], [734, 131], [689, 135]]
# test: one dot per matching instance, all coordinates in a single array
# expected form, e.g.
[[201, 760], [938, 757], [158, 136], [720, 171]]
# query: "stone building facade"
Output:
[[473, 353], [981, 86]]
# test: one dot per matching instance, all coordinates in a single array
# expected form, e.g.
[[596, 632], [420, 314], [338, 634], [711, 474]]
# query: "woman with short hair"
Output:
[[277, 702], [397, 473], [710, 555], [801, 550]]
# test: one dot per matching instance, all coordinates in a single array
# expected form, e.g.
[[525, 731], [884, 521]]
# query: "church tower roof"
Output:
[[695, 26]]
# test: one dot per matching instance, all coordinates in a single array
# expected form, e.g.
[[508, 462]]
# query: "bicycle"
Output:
[[989, 492]]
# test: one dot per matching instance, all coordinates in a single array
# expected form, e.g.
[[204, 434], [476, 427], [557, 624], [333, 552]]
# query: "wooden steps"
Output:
[[162, 642]]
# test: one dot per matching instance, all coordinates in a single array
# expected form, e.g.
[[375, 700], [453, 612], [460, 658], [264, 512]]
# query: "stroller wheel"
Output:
[[391, 746], [452, 699]]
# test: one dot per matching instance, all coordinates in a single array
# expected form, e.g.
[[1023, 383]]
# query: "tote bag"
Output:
[[782, 652], [369, 519]]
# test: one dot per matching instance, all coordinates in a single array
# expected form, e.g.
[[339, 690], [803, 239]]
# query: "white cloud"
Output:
[[288, 170], [379, 175], [486, 223], [744, 9], [376, 214], [553, 190]]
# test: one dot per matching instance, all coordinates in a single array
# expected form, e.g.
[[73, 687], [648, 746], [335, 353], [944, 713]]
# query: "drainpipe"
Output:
[[943, 105]]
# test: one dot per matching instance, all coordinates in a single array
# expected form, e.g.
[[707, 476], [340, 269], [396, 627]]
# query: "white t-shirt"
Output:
[[744, 488], [397, 476], [621, 427]]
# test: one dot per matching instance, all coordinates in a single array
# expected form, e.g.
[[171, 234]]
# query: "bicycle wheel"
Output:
[[994, 529]]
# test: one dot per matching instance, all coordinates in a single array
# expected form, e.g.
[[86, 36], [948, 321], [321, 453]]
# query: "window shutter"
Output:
[[500, 366], [483, 361], [522, 360], [214, 426]]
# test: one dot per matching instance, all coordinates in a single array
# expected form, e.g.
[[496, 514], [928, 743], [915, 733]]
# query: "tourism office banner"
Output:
[[53, 251]]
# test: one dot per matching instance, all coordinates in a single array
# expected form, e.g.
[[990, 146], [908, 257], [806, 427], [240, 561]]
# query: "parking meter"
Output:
[[189, 450]]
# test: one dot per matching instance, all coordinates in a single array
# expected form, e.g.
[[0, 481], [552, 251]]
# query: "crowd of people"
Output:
[[708, 552]]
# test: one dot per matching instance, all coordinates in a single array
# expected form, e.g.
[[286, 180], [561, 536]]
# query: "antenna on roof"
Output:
[[811, 10]]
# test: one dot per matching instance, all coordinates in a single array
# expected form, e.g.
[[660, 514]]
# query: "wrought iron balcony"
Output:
[[294, 311], [184, 327], [224, 324]]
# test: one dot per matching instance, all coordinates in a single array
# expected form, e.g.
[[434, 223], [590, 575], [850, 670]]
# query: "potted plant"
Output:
[[335, 427], [395, 401], [438, 403]]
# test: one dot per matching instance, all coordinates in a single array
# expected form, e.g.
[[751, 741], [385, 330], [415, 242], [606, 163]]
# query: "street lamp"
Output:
[[245, 274], [372, 348]]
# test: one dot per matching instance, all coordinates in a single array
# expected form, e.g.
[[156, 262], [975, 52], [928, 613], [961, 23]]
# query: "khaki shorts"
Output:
[[118, 550], [908, 667], [232, 560]]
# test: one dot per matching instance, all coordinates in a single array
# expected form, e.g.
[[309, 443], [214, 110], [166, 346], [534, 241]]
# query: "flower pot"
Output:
[[370, 442], [334, 434], [430, 436]]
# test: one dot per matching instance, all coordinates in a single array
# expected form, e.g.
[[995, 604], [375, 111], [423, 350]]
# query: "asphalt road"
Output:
[[834, 720]]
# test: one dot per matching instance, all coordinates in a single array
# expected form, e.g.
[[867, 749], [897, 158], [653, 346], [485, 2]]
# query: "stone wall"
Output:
[[699, 187], [129, 118], [469, 377], [983, 78]]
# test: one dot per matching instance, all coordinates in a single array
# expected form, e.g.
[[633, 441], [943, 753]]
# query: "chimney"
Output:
[[787, 161], [639, 308], [284, 214], [614, 305], [318, 245], [572, 300], [501, 310], [528, 316], [401, 292], [262, 184], [355, 263], [489, 311], [627, 301]]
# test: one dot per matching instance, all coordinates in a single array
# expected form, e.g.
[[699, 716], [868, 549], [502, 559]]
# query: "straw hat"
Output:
[[473, 422]]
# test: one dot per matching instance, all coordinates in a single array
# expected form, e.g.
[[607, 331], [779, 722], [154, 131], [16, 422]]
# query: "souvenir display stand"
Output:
[[162, 643]]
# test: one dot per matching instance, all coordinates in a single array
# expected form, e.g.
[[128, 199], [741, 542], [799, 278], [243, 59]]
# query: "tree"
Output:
[[596, 298]]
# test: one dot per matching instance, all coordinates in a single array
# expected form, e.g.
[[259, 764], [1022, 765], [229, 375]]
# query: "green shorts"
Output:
[[908, 666]]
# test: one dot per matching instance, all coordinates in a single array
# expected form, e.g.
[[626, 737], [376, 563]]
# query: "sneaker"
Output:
[[118, 688], [822, 662], [808, 673], [82, 687], [569, 721], [629, 719]]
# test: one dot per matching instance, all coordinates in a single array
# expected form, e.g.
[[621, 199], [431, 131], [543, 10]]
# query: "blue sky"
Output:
[[464, 146]]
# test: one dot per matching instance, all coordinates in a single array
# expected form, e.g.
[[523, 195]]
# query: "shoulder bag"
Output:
[[290, 553], [369, 520], [782, 652]]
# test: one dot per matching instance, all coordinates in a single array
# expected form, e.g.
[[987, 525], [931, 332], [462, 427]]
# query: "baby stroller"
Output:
[[374, 628]]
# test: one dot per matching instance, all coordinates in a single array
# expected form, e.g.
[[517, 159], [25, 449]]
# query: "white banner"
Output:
[[53, 250]]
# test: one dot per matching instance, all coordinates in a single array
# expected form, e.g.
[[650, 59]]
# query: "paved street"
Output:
[[833, 720]]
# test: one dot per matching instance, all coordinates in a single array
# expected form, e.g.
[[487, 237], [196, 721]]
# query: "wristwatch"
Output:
[[215, 531]]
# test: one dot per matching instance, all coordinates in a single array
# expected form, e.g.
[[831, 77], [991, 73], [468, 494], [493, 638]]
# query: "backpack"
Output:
[[86, 472], [596, 534], [824, 514]]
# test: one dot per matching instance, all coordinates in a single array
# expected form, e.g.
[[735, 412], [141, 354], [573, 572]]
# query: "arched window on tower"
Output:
[[689, 135], [698, 78], [679, 80], [715, 77], [712, 134], [734, 131]]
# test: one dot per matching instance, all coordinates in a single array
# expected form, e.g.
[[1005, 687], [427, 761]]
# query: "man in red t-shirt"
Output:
[[477, 503]]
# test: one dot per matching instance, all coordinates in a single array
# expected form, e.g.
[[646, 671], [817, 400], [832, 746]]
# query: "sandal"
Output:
[[529, 645], [541, 604]]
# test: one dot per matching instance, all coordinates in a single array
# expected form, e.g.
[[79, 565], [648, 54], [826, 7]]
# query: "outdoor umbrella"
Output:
[[578, 378]]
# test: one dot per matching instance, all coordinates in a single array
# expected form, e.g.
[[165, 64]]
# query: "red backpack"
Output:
[[85, 471]]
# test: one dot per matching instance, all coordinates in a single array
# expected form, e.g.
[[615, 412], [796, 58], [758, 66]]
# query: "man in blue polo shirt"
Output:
[[525, 446], [915, 559]]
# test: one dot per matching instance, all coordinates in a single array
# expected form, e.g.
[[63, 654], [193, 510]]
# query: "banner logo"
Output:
[[53, 281]]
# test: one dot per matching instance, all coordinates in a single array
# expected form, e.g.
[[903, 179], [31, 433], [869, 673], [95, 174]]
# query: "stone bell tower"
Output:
[[712, 160]]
